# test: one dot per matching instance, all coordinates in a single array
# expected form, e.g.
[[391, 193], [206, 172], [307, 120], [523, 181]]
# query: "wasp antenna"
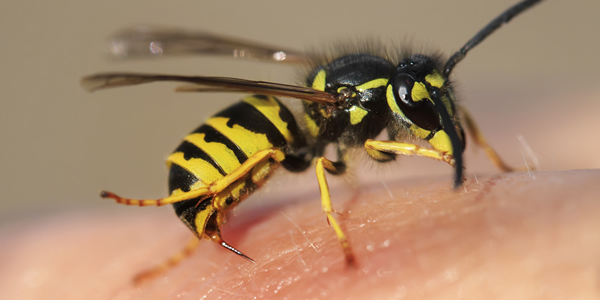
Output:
[[500, 20]]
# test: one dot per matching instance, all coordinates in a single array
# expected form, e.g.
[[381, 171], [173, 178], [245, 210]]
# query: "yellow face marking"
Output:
[[375, 83], [389, 95], [270, 109], [441, 142], [357, 114], [319, 81], [435, 79], [312, 127], [419, 132], [200, 168], [248, 141], [217, 151], [419, 92]]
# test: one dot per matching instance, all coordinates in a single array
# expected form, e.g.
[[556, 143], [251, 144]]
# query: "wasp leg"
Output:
[[481, 142], [214, 188], [168, 264], [334, 168], [379, 150]]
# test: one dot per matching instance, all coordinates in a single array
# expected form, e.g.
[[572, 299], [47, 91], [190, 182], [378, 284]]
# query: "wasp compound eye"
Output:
[[413, 99], [403, 88]]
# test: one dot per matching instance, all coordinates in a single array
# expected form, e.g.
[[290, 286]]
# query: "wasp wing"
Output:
[[206, 83], [155, 41]]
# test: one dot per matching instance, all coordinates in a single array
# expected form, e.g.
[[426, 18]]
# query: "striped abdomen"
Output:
[[221, 145]]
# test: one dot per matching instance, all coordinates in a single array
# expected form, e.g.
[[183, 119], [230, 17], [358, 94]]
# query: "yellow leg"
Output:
[[214, 188], [480, 141], [168, 264], [322, 164], [375, 149]]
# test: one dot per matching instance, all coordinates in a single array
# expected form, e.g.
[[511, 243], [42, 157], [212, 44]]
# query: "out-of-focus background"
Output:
[[60, 145]]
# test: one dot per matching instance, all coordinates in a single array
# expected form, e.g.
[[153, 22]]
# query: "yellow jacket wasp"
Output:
[[348, 101]]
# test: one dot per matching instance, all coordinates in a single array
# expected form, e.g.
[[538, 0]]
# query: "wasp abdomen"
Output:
[[221, 145]]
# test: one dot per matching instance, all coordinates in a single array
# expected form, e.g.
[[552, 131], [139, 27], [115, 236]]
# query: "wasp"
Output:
[[348, 100]]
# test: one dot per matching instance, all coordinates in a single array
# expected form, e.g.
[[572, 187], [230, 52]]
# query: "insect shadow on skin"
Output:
[[348, 98]]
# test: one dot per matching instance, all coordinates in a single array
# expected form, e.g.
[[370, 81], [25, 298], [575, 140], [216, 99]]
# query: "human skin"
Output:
[[509, 236]]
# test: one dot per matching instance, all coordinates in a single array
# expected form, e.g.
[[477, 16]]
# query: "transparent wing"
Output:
[[155, 41], [209, 84]]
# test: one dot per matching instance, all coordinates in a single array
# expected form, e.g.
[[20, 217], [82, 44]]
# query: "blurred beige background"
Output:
[[537, 77]]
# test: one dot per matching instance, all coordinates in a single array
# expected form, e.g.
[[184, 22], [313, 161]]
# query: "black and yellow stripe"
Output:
[[349, 100], [221, 145], [228, 138]]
